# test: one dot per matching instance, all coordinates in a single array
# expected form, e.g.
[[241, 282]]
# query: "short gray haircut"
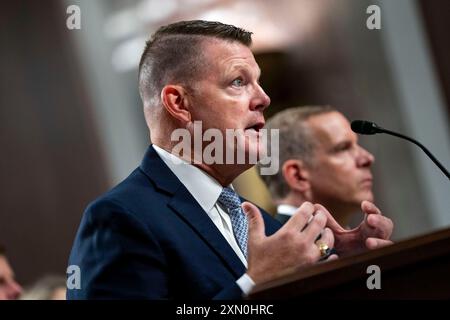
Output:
[[296, 142], [174, 54]]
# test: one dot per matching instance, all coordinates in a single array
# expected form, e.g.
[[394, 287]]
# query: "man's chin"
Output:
[[367, 196], [253, 153]]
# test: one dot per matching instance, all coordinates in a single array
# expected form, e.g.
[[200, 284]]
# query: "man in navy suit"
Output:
[[175, 228]]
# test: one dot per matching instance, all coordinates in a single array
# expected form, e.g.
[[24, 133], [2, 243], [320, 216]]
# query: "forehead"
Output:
[[330, 128], [225, 55]]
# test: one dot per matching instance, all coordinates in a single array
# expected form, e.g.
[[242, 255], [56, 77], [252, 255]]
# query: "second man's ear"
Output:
[[296, 175], [176, 102]]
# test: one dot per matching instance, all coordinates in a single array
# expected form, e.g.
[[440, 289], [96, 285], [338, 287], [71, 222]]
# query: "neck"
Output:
[[225, 174]]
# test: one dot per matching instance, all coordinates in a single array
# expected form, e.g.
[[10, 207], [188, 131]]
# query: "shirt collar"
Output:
[[286, 209], [204, 188]]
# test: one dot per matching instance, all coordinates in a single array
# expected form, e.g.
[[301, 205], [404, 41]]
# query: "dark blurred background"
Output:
[[72, 124]]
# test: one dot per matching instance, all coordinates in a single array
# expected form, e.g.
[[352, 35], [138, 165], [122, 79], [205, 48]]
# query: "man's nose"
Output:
[[260, 100], [365, 158]]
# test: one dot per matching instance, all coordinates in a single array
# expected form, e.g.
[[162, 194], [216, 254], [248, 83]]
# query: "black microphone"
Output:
[[367, 127]]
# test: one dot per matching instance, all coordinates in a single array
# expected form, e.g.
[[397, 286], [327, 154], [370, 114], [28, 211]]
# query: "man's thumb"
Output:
[[255, 220]]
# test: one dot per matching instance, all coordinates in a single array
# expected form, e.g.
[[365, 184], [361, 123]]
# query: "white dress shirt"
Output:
[[286, 209], [206, 191]]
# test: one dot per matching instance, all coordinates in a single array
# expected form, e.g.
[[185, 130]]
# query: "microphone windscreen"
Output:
[[364, 127]]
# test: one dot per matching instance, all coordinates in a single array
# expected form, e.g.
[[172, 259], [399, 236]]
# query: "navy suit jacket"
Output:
[[148, 238]]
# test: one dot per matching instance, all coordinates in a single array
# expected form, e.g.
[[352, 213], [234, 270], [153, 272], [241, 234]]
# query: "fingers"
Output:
[[315, 227], [255, 222], [301, 217], [331, 222], [383, 224], [375, 243], [327, 237], [308, 226], [369, 208], [332, 257]]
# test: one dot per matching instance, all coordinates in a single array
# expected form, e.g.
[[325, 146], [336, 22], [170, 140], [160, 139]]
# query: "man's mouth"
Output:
[[255, 127], [367, 182]]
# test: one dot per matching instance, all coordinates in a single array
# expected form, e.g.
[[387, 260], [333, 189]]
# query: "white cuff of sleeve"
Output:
[[245, 283]]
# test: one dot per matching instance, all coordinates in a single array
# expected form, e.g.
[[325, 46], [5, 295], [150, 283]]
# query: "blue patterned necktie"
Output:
[[231, 201]]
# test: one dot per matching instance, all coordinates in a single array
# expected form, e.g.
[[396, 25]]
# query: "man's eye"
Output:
[[342, 147], [238, 82]]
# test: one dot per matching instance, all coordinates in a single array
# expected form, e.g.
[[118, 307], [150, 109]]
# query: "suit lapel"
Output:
[[160, 174], [190, 211], [184, 204]]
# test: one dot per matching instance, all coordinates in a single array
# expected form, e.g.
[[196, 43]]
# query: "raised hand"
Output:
[[290, 248], [373, 232]]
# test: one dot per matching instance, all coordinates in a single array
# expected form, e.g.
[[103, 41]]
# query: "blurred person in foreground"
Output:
[[321, 162], [50, 287], [9, 288], [175, 228]]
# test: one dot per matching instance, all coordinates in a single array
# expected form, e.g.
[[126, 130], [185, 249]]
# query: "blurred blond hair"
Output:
[[51, 287]]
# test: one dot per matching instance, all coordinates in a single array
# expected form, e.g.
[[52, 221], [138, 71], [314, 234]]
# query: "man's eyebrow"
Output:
[[340, 144], [244, 67], [258, 72]]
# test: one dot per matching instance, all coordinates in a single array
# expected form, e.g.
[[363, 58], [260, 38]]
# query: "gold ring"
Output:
[[323, 248]]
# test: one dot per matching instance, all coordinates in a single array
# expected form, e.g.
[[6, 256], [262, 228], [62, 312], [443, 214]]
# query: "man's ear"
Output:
[[174, 99], [296, 175]]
